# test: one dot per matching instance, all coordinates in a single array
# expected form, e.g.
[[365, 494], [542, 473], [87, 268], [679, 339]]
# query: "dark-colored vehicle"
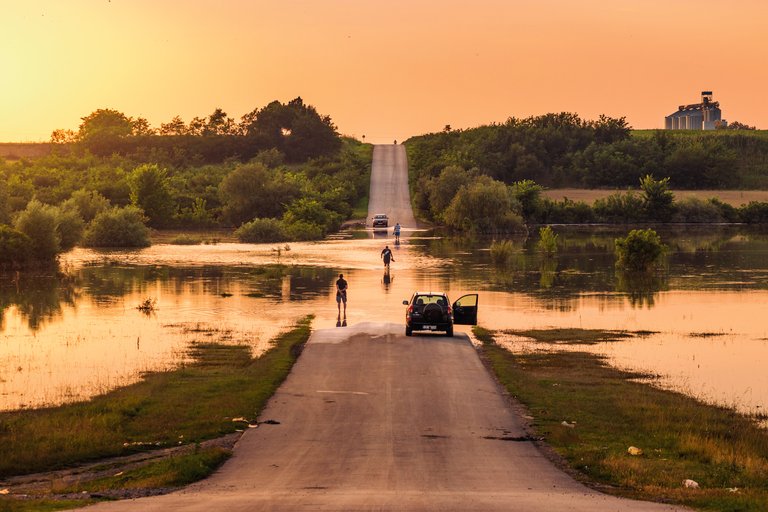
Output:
[[380, 220], [433, 311]]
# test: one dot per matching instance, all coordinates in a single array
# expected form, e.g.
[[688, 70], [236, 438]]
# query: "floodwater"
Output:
[[69, 336]]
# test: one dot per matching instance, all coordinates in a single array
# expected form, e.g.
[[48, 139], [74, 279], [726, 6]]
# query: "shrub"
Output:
[[69, 227], [310, 211], [657, 198], [641, 250], [186, 240], [38, 222], [695, 210], [303, 230], [88, 203], [150, 191], [196, 216], [502, 252], [118, 227], [484, 206], [547, 241], [621, 207], [261, 231], [754, 213], [15, 249]]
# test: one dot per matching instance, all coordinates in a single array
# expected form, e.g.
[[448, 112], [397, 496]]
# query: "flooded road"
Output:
[[73, 335]]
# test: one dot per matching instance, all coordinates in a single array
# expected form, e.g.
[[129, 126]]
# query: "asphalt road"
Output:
[[389, 186], [372, 420]]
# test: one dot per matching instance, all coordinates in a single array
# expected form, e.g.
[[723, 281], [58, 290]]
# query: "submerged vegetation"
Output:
[[675, 438]]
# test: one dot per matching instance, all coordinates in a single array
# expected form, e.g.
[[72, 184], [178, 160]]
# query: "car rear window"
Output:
[[431, 299]]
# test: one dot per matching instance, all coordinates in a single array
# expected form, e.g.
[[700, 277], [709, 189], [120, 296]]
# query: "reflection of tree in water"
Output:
[[641, 287], [548, 272], [37, 298], [107, 283]]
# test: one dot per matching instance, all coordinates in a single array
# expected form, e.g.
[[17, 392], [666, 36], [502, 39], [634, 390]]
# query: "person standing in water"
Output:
[[386, 254], [341, 294], [397, 232]]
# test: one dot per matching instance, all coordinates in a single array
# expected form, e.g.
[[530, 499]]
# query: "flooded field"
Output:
[[68, 336]]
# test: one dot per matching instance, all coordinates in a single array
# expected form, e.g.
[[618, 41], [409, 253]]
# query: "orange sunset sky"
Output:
[[386, 70]]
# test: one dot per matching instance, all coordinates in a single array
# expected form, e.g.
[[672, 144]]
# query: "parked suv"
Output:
[[430, 311], [380, 220]]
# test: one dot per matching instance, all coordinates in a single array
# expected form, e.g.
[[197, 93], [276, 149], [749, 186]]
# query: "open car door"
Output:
[[465, 310]]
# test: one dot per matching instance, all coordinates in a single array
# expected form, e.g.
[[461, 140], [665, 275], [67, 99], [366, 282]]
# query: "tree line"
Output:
[[295, 129], [107, 188], [563, 150]]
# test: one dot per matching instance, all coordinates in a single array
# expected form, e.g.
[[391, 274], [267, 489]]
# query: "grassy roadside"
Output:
[[195, 402], [590, 414]]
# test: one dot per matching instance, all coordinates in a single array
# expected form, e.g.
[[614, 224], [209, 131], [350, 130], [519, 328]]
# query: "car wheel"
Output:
[[408, 331], [449, 331]]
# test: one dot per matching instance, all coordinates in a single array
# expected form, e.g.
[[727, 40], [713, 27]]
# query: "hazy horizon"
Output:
[[383, 70]]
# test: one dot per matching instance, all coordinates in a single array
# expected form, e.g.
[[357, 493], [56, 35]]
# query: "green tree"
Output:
[[657, 198], [150, 191], [528, 194], [484, 206], [15, 249], [88, 203], [69, 227], [103, 130], [253, 191], [444, 187], [5, 206], [38, 222], [175, 126], [641, 250], [118, 227]]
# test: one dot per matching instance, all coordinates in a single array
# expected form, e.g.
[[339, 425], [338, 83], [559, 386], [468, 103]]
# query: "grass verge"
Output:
[[590, 414], [195, 402]]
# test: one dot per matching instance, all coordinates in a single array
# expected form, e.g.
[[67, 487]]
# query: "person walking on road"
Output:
[[341, 294], [386, 254], [397, 232]]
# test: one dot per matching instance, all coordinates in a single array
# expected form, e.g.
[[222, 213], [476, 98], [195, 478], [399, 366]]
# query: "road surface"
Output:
[[372, 420], [389, 186]]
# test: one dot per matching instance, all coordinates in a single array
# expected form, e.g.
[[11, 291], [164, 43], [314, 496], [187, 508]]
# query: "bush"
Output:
[[547, 241], [186, 240], [641, 250], [15, 249], [69, 227], [625, 208], [303, 230], [695, 210], [88, 203], [502, 252], [261, 231], [118, 227], [150, 191], [754, 213], [484, 206], [38, 222], [310, 211]]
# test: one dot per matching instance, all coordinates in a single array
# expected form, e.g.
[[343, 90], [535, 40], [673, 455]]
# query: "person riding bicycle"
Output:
[[387, 255]]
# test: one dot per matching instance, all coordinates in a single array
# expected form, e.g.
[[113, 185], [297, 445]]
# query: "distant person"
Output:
[[341, 294], [386, 254], [397, 232], [395, 143]]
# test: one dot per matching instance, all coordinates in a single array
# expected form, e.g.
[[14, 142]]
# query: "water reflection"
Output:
[[78, 332], [36, 298]]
